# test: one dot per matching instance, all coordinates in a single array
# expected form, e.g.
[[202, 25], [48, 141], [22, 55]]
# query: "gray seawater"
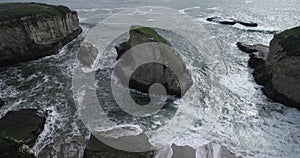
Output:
[[250, 124]]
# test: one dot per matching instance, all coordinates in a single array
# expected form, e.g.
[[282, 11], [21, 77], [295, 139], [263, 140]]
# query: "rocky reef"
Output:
[[18, 132], [33, 30], [278, 69], [148, 74], [230, 21], [97, 149]]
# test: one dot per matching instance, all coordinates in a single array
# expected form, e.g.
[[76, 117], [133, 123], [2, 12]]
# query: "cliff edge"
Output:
[[33, 30]]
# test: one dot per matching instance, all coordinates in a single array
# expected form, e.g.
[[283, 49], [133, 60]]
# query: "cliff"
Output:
[[33, 30], [283, 68], [278, 69]]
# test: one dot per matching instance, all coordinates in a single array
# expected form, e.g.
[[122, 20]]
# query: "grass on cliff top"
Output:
[[17, 10], [290, 40], [170, 56], [149, 32]]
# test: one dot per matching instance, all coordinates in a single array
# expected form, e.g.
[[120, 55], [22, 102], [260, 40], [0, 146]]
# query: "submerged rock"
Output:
[[279, 72], [224, 21], [97, 149], [148, 74], [34, 30]]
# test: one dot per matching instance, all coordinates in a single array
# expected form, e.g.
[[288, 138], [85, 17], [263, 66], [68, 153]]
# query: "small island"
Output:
[[30, 31]]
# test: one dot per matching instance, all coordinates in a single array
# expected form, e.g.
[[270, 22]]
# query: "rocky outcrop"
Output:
[[1, 103], [279, 69], [211, 150], [18, 132], [224, 21], [34, 30], [97, 149], [148, 74]]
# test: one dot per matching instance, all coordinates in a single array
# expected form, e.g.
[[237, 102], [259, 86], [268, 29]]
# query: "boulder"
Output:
[[18, 132], [34, 30], [279, 70], [148, 74], [97, 149]]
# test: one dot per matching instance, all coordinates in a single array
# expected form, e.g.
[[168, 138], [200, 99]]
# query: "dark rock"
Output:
[[279, 73], [221, 20], [97, 149], [10, 148], [34, 30], [258, 53], [23, 125], [150, 73], [1, 103], [224, 21]]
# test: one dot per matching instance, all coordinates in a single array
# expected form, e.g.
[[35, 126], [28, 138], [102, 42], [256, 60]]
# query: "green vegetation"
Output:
[[149, 32], [290, 40], [17, 10], [169, 55]]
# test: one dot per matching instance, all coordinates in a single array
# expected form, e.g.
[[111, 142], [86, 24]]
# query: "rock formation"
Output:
[[18, 132], [146, 75], [34, 30], [224, 21], [97, 149], [279, 69]]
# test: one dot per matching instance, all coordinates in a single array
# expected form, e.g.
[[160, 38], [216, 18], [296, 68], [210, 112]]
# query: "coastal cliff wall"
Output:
[[32, 36]]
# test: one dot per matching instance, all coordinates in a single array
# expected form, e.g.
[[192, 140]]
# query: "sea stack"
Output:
[[33, 30], [145, 76]]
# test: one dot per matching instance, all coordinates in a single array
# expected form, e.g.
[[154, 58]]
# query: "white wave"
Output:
[[50, 126], [121, 131], [214, 8], [262, 29], [86, 10], [182, 11], [82, 19]]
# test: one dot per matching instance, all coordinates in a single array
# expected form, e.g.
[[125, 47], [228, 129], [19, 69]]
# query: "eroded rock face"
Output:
[[146, 75], [41, 31], [283, 65], [279, 69], [18, 132]]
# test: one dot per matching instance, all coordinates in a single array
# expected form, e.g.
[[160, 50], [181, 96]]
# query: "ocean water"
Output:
[[250, 124]]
